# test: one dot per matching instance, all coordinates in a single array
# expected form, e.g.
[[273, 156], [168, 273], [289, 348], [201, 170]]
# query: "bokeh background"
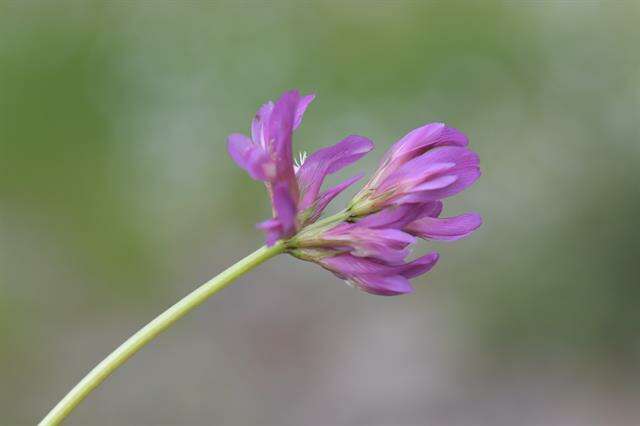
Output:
[[117, 197]]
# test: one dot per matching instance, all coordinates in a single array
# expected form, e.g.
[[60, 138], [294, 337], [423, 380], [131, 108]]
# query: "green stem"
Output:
[[336, 218], [132, 345], [330, 220]]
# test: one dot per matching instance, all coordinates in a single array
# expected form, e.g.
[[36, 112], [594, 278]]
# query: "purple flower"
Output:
[[401, 202], [422, 220], [428, 164], [267, 156], [368, 243], [370, 253], [387, 234], [386, 244], [321, 163], [377, 277]]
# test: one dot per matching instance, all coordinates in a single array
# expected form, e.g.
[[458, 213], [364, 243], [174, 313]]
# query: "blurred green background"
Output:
[[117, 197]]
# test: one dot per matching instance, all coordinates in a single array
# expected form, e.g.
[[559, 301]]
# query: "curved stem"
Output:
[[132, 345]]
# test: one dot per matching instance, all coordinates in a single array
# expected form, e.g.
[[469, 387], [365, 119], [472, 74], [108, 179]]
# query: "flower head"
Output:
[[371, 251], [423, 220], [368, 243], [428, 164], [377, 277], [294, 189]]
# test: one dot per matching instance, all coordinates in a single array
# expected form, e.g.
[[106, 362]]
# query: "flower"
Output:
[[370, 252], [376, 277], [387, 234], [294, 189], [423, 220], [368, 243], [401, 202], [428, 164]]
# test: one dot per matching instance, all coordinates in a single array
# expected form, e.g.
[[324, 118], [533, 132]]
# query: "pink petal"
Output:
[[303, 103], [273, 230], [328, 160], [280, 132], [420, 266], [249, 156], [384, 286], [391, 217], [445, 229], [285, 208], [417, 142], [259, 124], [437, 183], [323, 200], [399, 216], [428, 136], [425, 175], [377, 277], [348, 265], [465, 178], [430, 209], [387, 245]]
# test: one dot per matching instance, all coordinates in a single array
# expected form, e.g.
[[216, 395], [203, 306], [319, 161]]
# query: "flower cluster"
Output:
[[294, 189], [367, 243]]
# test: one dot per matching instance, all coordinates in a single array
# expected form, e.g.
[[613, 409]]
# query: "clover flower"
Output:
[[369, 253], [366, 244], [294, 188], [378, 277], [430, 163]]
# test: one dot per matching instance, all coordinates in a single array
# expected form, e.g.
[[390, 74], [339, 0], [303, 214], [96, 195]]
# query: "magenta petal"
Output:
[[283, 225], [384, 286], [387, 245], [347, 151], [399, 216], [428, 136], [465, 178], [303, 103], [394, 217], [249, 156], [260, 124], [285, 208], [391, 217], [273, 230], [369, 275], [420, 266], [430, 209], [280, 132], [445, 229], [348, 265], [434, 163], [323, 200], [417, 142], [412, 269], [436, 183], [439, 173], [328, 160]]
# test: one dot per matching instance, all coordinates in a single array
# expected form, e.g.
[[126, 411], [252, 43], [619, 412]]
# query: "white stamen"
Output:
[[298, 162]]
